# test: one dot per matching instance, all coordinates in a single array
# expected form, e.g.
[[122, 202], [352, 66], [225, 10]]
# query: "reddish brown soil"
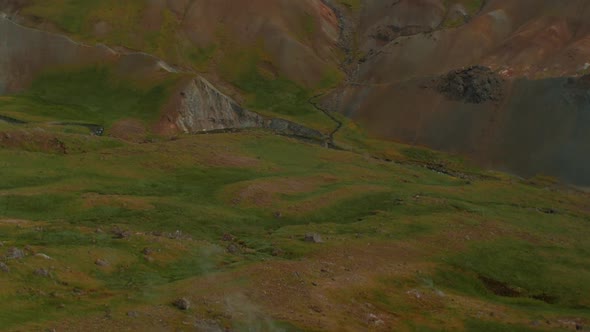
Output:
[[129, 130]]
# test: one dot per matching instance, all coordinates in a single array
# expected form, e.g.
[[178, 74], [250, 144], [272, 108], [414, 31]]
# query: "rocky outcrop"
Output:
[[290, 128], [203, 108], [195, 107], [475, 85]]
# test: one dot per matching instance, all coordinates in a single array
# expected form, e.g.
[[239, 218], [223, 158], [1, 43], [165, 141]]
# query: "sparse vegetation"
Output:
[[252, 231]]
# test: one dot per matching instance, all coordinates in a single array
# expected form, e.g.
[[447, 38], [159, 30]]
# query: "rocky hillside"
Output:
[[533, 118], [225, 165], [386, 59]]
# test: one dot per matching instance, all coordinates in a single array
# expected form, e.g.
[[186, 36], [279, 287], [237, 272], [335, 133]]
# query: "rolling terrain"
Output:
[[539, 50], [214, 165]]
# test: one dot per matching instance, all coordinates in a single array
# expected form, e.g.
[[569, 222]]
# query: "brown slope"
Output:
[[296, 39], [539, 125]]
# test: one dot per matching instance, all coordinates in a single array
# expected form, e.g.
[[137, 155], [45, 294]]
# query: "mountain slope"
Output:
[[171, 192], [537, 125]]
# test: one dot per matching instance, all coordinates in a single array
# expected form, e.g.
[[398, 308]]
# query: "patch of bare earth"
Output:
[[265, 192], [133, 203], [129, 130]]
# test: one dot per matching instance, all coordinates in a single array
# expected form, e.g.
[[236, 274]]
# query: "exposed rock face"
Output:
[[200, 107], [293, 129], [15, 253], [383, 21], [203, 108], [313, 238], [182, 304], [475, 85]]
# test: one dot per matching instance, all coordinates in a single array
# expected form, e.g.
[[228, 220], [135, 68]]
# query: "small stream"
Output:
[[11, 120], [95, 129]]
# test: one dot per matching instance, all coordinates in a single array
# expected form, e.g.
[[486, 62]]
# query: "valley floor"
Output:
[[259, 232]]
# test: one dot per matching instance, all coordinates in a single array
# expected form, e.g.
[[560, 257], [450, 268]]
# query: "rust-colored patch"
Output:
[[37, 140], [231, 160], [129, 130], [133, 203], [325, 200], [263, 193], [14, 222]]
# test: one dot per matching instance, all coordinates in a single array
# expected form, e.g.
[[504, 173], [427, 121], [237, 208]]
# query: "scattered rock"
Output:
[[182, 304], [177, 235], [228, 237], [548, 211], [15, 253], [233, 249], [4, 267], [313, 238], [277, 252], [41, 255], [415, 293], [475, 85], [209, 326], [132, 314], [41, 272], [102, 262], [374, 320], [121, 234], [316, 308], [78, 291]]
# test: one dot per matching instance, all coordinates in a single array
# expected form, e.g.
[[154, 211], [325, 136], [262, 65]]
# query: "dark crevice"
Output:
[[328, 114], [505, 290]]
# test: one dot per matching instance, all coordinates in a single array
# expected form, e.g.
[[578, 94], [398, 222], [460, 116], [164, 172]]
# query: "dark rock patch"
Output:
[[233, 249], [313, 238], [102, 262], [289, 128], [132, 314], [15, 253], [579, 82], [182, 304], [120, 233], [505, 290], [277, 252], [500, 288], [545, 298], [41, 273], [228, 237], [474, 85]]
